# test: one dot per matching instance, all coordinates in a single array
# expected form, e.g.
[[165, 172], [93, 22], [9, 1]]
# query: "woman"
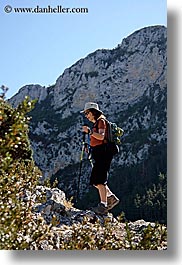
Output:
[[101, 155]]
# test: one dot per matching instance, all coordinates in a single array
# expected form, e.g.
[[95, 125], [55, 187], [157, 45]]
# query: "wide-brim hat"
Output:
[[91, 105]]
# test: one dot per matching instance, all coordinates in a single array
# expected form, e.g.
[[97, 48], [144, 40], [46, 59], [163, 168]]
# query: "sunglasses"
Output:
[[86, 113]]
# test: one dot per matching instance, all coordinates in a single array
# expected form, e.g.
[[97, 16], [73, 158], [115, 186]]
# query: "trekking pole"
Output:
[[90, 156], [80, 170]]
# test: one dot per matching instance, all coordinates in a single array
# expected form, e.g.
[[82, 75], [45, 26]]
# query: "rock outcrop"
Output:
[[70, 225]]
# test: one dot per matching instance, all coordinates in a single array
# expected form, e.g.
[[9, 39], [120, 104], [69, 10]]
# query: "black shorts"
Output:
[[101, 164]]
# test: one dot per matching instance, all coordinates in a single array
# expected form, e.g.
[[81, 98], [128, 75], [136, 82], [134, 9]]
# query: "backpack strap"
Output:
[[109, 132]]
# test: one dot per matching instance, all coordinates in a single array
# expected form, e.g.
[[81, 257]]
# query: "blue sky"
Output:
[[37, 47]]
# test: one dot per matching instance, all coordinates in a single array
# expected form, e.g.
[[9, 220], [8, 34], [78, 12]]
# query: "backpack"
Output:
[[114, 133]]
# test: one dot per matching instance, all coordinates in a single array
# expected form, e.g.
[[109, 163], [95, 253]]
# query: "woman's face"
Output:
[[89, 115]]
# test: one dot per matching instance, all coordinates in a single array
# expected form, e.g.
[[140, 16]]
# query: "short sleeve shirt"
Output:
[[100, 124]]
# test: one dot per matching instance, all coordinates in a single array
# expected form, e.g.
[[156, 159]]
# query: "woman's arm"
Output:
[[100, 135]]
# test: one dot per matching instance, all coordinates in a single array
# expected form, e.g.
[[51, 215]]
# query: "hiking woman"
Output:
[[101, 155]]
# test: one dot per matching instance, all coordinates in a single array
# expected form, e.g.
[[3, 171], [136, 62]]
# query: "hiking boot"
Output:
[[100, 209], [112, 201]]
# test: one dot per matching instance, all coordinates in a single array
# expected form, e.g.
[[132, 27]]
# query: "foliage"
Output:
[[151, 238], [105, 236], [18, 179], [154, 202], [14, 144]]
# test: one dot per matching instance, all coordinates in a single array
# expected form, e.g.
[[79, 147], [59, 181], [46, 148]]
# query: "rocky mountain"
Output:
[[129, 83]]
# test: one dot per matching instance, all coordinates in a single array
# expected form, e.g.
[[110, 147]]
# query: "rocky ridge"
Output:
[[69, 224]]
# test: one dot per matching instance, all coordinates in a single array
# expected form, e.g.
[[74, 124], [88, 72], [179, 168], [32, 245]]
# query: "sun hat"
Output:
[[91, 105]]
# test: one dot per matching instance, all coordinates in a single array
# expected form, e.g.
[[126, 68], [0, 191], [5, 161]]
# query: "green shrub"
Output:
[[18, 179]]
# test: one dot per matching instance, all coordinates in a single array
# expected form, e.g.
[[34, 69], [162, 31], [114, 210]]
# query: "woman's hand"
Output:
[[86, 129]]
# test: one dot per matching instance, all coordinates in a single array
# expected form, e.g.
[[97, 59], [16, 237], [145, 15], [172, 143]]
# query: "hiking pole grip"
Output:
[[84, 133]]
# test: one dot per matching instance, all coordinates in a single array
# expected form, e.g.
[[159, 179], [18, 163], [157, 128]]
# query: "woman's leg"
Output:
[[108, 191], [102, 193]]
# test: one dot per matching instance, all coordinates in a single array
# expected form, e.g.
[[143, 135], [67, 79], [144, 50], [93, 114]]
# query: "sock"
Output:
[[105, 203], [109, 193]]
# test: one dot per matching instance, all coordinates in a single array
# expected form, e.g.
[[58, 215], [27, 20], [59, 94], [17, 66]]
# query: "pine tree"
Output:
[[153, 204]]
